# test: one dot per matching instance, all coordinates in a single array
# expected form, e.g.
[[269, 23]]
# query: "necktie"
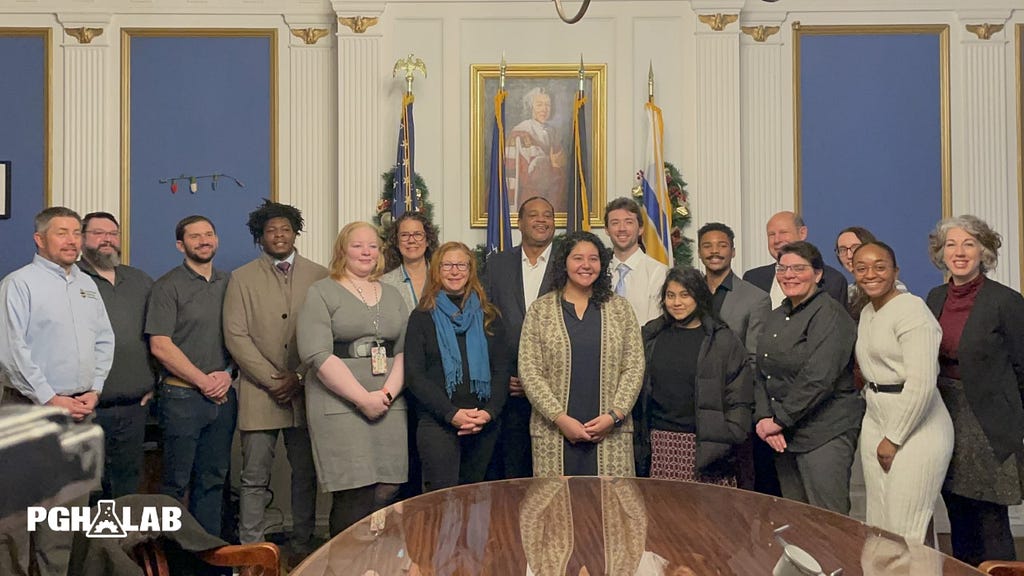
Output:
[[284, 267], [620, 286]]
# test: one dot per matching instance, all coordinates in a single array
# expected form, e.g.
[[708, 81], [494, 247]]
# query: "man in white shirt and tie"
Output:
[[635, 275]]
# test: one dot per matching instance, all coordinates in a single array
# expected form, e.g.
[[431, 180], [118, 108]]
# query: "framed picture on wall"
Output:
[[5, 189], [538, 132]]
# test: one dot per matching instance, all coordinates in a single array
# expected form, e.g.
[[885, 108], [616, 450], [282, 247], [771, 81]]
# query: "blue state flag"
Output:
[[656, 202], [499, 224], [577, 215], [405, 189]]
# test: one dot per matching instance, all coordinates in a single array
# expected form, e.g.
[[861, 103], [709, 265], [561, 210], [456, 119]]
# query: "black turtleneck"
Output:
[[674, 378]]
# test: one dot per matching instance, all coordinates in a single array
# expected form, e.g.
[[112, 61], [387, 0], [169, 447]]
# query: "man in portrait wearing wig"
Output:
[[535, 157]]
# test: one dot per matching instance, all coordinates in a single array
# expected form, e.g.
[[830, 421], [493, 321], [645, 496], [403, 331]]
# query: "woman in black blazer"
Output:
[[456, 367], [981, 379]]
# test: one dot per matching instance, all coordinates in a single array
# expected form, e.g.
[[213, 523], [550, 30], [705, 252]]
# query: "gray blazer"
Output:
[[744, 310]]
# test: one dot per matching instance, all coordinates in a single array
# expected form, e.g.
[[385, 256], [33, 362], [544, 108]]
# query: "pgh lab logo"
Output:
[[106, 523]]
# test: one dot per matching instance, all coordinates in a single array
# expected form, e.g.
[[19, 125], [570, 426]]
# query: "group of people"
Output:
[[402, 363]]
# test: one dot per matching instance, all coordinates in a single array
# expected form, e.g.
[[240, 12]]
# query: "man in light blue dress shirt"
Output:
[[56, 348]]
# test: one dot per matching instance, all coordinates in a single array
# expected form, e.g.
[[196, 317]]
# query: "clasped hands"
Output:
[[593, 431], [289, 387], [470, 420], [215, 386], [80, 406], [375, 404], [769, 430]]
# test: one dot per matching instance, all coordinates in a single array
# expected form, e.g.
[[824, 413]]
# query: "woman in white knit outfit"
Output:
[[906, 439]]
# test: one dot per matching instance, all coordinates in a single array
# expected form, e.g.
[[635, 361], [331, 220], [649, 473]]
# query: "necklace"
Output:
[[375, 309]]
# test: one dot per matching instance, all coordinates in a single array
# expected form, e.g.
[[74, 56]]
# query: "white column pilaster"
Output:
[[360, 46], [313, 176], [717, 178], [763, 124], [985, 174], [85, 185]]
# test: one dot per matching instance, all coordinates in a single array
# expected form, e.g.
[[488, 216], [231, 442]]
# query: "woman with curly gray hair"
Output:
[[981, 377], [409, 244]]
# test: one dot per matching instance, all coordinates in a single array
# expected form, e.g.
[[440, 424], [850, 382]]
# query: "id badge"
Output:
[[378, 360]]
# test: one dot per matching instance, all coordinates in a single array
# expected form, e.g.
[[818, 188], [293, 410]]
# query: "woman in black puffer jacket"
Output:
[[696, 403]]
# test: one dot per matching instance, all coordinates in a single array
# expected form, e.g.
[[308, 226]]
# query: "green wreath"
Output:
[[383, 218]]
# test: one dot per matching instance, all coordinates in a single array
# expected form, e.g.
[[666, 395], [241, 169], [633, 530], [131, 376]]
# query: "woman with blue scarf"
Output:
[[456, 366]]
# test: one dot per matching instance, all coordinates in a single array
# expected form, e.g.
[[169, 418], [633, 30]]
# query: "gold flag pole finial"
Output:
[[650, 82], [582, 74], [409, 65], [501, 75]]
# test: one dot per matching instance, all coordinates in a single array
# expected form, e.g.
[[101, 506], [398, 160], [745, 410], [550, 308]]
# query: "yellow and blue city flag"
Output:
[[405, 173], [656, 202], [499, 223]]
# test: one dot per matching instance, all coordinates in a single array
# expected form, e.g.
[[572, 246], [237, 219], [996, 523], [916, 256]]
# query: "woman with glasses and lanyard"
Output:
[[808, 410], [456, 368], [409, 245], [906, 438]]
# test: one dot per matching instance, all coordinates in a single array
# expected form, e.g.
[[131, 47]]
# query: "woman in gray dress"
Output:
[[350, 334]]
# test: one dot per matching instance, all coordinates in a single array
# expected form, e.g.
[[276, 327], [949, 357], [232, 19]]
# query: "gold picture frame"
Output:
[[545, 176]]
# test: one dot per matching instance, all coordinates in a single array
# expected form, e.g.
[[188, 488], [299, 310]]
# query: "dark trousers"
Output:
[[124, 430], [449, 459], [351, 506], [197, 450], [819, 477], [766, 477], [979, 530], [513, 457]]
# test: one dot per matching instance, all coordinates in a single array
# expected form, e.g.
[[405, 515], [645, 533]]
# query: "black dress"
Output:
[[580, 459]]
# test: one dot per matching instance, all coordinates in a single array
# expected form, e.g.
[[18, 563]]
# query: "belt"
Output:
[[885, 388], [361, 348], [178, 382]]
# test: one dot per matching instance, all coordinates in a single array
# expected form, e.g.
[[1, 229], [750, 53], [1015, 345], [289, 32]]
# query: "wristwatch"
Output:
[[615, 418]]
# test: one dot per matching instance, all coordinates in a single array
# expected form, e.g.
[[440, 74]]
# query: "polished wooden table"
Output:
[[618, 527]]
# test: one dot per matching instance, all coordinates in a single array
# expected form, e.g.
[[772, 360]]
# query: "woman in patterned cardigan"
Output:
[[581, 362]]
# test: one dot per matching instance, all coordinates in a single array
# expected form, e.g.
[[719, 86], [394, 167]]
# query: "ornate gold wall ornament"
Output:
[[718, 22], [310, 35], [984, 31], [759, 33], [358, 24], [84, 35]]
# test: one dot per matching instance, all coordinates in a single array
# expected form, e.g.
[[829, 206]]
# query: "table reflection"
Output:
[[616, 526]]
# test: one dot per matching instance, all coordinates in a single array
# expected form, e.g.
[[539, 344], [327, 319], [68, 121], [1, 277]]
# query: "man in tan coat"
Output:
[[260, 310]]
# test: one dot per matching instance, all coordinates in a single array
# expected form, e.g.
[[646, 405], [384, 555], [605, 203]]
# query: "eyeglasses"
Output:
[[797, 268], [843, 250], [414, 236], [878, 267], [460, 266], [102, 233]]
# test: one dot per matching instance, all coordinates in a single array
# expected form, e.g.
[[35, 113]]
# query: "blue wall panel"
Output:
[[871, 143], [23, 142], [199, 105]]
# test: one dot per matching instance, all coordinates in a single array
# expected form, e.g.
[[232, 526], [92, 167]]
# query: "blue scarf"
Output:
[[449, 321]]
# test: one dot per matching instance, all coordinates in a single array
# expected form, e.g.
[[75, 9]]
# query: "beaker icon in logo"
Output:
[[106, 524]]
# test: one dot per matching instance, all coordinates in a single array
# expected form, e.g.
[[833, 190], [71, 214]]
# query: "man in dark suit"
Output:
[[783, 228], [513, 279]]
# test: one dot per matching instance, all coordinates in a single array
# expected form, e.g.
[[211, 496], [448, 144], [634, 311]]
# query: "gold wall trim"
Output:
[[984, 31], [760, 33], [718, 22], [47, 35], [940, 30], [1020, 150], [126, 84], [358, 24], [83, 34], [310, 35]]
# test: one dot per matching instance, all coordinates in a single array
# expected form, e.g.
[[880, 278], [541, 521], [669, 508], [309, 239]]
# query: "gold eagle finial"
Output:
[[310, 35], [358, 24], [984, 31]]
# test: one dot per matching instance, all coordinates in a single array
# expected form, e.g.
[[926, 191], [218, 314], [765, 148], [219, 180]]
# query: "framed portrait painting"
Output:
[[538, 135], [5, 189]]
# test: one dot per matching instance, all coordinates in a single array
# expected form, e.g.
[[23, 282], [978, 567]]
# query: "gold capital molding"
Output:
[[718, 22], [310, 35], [760, 33], [984, 31], [358, 24], [83, 34]]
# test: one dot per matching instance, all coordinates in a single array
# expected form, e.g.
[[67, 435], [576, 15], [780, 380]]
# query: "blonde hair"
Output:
[[429, 298], [339, 260]]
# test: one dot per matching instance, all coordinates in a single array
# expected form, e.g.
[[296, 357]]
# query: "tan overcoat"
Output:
[[545, 365], [261, 308]]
